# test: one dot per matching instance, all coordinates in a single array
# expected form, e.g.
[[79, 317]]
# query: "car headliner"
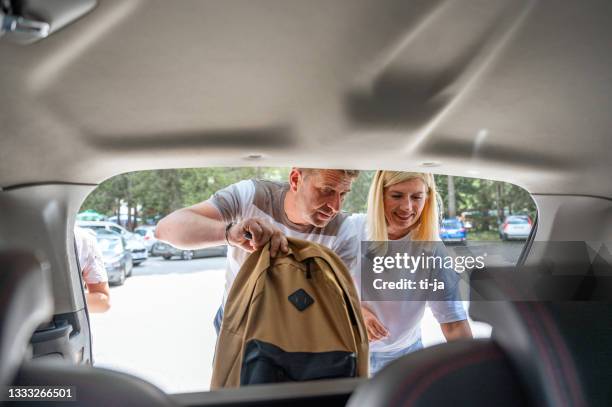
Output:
[[511, 90]]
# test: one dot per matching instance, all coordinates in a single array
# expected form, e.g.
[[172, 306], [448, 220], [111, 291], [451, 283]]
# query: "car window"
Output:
[[473, 219], [517, 221], [110, 246], [451, 224]]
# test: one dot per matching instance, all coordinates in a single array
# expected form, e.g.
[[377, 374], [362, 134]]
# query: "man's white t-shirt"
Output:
[[402, 318], [265, 200]]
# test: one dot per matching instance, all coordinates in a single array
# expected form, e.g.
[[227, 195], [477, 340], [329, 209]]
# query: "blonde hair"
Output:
[[427, 227]]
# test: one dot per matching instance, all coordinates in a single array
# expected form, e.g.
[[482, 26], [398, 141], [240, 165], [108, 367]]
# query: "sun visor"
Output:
[[28, 21]]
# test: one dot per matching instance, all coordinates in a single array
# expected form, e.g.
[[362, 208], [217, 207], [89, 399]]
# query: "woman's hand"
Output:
[[376, 330]]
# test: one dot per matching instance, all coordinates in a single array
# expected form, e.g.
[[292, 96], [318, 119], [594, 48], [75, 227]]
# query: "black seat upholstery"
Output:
[[25, 303], [93, 386], [562, 351], [474, 373]]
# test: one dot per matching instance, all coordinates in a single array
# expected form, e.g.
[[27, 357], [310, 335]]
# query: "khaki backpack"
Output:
[[291, 318]]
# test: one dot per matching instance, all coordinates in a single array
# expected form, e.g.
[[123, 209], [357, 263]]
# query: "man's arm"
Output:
[[98, 297], [197, 226], [456, 330], [202, 225]]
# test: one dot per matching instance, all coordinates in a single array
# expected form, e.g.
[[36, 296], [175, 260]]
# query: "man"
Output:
[[93, 270], [249, 214]]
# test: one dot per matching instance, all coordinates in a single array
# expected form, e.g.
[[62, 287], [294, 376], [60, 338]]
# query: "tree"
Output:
[[106, 198], [356, 201], [452, 200]]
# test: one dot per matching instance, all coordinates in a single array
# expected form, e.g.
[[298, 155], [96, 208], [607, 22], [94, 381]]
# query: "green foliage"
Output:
[[479, 199], [160, 192], [357, 200], [482, 236]]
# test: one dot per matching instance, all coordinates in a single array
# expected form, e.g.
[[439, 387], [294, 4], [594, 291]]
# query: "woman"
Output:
[[402, 206]]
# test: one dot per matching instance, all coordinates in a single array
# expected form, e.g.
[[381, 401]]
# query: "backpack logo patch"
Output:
[[301, 300]]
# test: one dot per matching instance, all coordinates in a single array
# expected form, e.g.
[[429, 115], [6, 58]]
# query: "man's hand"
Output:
[[376, 330], [261, 233]]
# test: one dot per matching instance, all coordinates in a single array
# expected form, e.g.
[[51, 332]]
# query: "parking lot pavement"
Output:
[[160, 326]]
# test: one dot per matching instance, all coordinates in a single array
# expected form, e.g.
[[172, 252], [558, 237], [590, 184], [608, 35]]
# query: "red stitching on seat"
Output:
[[465, 358], [567, 364], [546, 358], [431, 378]]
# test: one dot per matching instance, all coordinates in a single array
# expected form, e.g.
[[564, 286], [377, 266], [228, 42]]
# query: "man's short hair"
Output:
[[349, 173]]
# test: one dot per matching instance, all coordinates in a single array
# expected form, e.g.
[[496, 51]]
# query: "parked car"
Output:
[[148, 234], [453, 230], [167, 251], [122, 220], [515, 227], [135, 243], [117, 258]]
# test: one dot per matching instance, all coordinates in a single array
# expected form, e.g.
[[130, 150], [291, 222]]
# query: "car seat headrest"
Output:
[[466, 372], [562, 350], [558, 331], [26, 301]]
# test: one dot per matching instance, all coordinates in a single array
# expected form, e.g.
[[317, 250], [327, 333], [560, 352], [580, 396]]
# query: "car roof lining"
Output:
[[517, 91]]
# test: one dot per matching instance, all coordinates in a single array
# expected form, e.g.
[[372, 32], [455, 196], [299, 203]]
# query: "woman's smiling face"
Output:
[[404, 203]]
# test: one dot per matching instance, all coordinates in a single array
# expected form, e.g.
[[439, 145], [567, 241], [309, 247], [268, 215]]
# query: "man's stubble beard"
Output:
[[309, 216]]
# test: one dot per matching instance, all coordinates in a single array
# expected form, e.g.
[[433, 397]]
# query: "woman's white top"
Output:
[[403, 318]]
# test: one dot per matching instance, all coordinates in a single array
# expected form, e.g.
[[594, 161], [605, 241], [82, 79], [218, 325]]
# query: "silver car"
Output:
[[167, 251], [117, 258], [134, 242], [147, 232], [515, 227]]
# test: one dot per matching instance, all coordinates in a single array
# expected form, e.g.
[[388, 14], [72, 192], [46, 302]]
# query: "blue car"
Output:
[[453, 230]]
